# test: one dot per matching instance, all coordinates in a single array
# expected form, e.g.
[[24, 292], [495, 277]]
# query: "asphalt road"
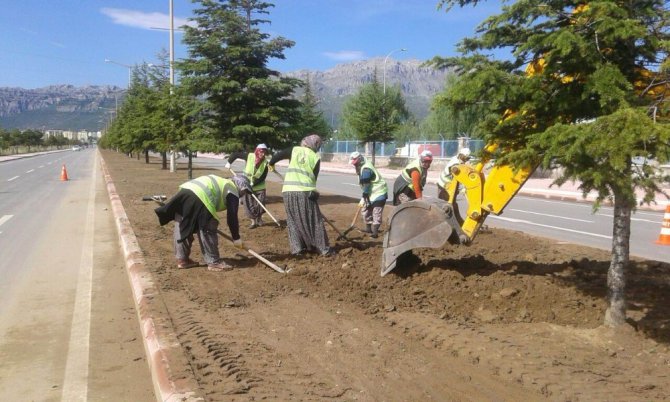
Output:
[[68, 327]]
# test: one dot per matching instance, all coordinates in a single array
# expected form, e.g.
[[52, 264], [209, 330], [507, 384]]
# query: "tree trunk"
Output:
[[190, 165], [146, 156], [372, 152], [616, 275], [164, 160]]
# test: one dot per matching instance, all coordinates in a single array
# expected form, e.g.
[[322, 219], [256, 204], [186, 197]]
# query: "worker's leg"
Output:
[[209, 241], [377, 212], [182, 249]]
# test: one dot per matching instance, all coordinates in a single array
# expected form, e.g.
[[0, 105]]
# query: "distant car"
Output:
[[76, 148]]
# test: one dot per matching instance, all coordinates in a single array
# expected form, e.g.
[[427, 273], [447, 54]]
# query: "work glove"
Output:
[[271, 168], [361, 203], [239, 244], [227, 165], [313, 195]]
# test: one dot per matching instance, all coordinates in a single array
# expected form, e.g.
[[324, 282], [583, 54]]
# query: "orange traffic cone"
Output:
[[664, 238], [63, 174]]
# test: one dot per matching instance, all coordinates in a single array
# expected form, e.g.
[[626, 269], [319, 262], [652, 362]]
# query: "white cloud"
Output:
[[139, 19], [345, 55]]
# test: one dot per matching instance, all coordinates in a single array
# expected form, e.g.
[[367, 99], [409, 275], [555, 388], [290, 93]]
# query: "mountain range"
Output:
[[66, 107]]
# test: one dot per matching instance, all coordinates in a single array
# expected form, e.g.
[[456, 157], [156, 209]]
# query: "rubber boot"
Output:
[[375, 231], [368, 228]]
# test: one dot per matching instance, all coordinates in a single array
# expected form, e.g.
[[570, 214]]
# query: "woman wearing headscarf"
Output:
[[194, 209], [306, 231], [256, 169]]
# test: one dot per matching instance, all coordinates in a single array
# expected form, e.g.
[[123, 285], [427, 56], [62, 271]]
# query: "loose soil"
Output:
[[511, 317]]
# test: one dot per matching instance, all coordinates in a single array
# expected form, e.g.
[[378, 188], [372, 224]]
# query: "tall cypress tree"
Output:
[[248, 103]]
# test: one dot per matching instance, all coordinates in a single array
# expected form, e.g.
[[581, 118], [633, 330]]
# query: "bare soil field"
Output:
[[511, 317]]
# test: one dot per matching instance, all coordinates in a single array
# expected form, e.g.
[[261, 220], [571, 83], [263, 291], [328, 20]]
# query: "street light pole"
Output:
[[385, 60], [129, 67]]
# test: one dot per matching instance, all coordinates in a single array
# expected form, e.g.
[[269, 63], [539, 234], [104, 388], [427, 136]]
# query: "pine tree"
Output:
[[592, 97], [311, 118], [248, 103], [375, 115]]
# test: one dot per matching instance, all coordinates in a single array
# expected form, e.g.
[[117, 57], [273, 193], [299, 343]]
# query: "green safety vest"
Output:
[[300, 173], [254, 174], [212, 191], [405, 174], [378, 185], [446, 176]]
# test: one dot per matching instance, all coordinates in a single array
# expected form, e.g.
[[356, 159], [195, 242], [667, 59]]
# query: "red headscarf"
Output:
[[259, 153]]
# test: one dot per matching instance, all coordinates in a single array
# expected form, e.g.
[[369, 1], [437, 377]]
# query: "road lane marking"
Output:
[[658, 222], [551, 227], [5, 218], [75, 383], [13, 178], [549, 215], [30, 171]]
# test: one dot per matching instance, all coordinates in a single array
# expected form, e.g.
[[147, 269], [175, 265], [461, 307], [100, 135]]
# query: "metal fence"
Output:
[[440, 149]]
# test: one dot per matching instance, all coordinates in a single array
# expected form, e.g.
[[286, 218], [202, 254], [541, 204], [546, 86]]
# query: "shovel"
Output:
[[258, 201], [353, 222], [257, 256]]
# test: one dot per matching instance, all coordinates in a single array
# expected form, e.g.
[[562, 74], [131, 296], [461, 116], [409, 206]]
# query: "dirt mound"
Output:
[[510, 317]]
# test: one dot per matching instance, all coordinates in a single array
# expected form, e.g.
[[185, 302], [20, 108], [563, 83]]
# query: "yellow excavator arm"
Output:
[[486, 194]]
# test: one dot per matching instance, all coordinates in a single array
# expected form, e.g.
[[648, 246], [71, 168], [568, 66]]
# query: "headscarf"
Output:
[[259, 153], [312, 142]]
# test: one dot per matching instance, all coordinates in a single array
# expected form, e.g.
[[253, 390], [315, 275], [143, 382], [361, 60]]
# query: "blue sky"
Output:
[[52, 42]]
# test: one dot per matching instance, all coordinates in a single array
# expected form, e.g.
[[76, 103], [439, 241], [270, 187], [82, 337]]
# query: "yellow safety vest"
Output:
[[300, 173], [212, 190], [408, 178], [254, 174], [379, 187]]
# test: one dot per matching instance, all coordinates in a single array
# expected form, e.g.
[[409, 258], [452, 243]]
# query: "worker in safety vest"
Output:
[[256, 169], [305, 224], [412, 179], [375, 193], [194, 209], [462, 157]]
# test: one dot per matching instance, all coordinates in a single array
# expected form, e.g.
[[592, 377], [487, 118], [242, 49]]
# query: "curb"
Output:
[[161, 345]]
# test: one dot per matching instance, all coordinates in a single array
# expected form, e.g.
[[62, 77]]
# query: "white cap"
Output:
[[354, 157], [262, 146], [465, 152], [426, 154]]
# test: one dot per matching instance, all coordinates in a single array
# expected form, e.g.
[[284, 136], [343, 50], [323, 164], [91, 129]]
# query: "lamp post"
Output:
[[385, 60], [129, 67]]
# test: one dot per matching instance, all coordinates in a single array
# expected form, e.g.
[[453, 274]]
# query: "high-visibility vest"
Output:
[[300, 173], [408, 178], [254, 173], [446, 176], [212, 190], [378, 185]]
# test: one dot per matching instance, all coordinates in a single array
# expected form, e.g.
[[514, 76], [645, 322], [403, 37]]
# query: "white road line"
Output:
[[30, 171], [13, 178], [551, 227], [658, 222], [5, 218], [41, 167], [552, 216], [75, 383]]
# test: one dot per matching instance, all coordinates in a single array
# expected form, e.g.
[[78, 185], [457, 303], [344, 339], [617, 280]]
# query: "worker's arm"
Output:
[[416, 182], [366, 179], [316, 169], [232, 204], [237, 155], [281, 155]]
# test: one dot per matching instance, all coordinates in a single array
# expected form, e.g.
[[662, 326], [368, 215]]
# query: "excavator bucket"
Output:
[[416, 224]]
